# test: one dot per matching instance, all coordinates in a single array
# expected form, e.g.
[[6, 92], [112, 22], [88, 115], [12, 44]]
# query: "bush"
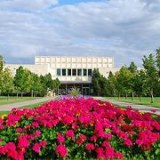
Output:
[[79, 128], [74, 92]]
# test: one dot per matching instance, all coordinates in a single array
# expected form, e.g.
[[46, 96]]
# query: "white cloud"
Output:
[[121, 28], [27, 4]]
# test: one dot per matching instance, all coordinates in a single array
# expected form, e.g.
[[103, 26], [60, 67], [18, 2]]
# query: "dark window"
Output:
[[84, 72], [74, 72], [89, 72], [63, 72], [69, 72], [79, 72], [58, 72]]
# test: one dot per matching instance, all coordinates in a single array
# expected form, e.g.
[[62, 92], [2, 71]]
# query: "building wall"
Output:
[[38, 69], [51, 64], [75, 62], [104, 64]]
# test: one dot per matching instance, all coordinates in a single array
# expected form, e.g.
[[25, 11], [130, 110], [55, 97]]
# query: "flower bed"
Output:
[[78, 128]]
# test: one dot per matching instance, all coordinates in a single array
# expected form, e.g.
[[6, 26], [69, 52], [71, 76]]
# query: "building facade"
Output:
[[72, 71]]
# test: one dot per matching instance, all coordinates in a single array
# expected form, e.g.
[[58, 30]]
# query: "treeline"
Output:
[[130, 81], [25, 82]]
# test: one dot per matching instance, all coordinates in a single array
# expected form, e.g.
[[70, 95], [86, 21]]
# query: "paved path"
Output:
[[8, 107], [142, 108]]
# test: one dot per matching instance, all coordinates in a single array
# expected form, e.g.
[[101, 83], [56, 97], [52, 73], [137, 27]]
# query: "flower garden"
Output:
[[79, 129]]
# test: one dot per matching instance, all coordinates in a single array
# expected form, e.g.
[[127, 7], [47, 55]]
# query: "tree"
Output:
[[1, 63], [7, 81], [36, 85], [151, 80], [123, 81], [158, 60], [138, 83], [111, 84], [23, 80], [57, 85], [95, 82], [132, 68]]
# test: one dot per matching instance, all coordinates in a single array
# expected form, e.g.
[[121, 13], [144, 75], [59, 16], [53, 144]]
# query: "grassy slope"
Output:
[[28, 106], [136, 100], [6, 100]]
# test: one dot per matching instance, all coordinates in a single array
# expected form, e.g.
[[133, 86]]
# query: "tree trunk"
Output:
[[126, 95], [152, 97], [118, 95], [17, 96], [132, 96], [21, 94], [8, 97], [32, 93]]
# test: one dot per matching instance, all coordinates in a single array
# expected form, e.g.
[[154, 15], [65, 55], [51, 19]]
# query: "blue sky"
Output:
[[124, 29]]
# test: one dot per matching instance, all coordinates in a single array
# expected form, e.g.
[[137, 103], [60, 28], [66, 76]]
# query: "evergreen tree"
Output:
[[132, 68], [151, 80]]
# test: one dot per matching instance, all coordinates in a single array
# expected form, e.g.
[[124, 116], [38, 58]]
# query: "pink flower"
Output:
[[61, 150], [19, 130], [81, 139], [153, 110], [36, 147], [43, 143], [1, 123], [60, 138], [100, 153], [35, 125], [70, 134], [90, 146], [23, 141], [93, 138], [128, 142], [37, 133]]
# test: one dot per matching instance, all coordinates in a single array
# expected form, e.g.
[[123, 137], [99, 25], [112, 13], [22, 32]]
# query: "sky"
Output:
[[124, 29]]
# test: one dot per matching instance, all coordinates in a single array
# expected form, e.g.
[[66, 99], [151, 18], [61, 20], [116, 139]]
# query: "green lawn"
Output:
[[136, 100], [28, 106], [6, 100]]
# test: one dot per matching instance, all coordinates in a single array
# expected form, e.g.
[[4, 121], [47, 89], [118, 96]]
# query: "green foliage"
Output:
[[132, 67], [7, 85], [1, 63], [99, 83], [23, 80], [151, 76], [129, 81], [75, 92]]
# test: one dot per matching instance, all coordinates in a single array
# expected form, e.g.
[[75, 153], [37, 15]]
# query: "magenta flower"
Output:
[[36, 147], [23, 141], [70, 134], [61, 150], [90, 146], [60, 138]]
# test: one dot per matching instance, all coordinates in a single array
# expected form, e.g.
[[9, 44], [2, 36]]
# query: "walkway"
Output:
[[142, 108], [8, 107]]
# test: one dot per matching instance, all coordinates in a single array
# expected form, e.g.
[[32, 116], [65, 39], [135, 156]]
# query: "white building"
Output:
[[70, 70]]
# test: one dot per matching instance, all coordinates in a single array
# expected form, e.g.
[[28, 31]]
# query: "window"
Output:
[[74, 73], [84, 72], [89, 72], [69, 72], [63, 72], [58, 72], [79, 72]]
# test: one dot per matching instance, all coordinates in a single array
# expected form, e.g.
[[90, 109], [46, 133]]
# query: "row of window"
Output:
[[74, 72]]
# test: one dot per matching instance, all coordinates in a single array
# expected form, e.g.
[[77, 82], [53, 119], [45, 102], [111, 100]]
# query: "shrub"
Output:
[[79, 128], [74, 92]]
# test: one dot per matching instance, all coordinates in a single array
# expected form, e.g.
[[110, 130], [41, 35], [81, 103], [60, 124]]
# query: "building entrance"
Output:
[[85, 88], [86, 91]]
